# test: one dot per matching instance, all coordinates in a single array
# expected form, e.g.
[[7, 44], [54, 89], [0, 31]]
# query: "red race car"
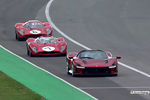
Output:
[[92, 62], [32, 28], [46, 46]]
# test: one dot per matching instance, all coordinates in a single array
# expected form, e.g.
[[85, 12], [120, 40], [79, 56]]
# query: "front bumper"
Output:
[[97, 71], [50, 53], [32, 36]]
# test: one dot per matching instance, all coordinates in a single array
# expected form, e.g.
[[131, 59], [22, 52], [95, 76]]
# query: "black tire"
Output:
[[68, 68], [68, 71], [64, 54], [29, 53], [114, 75], [17, 37], [73, 74], [27, 49]]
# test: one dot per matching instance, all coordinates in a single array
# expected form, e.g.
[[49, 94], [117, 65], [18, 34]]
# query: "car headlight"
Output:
[[48, 31], [78, 66], [21, 32], [62, 48], [112, 66], [34, 49]]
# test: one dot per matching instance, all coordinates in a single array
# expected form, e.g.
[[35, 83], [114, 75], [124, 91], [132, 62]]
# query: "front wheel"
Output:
[[72, 70], [115, 75], [63, 55], [17, 37], [29, 53], [68, 69]]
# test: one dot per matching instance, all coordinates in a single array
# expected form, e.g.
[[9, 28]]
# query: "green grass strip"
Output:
[[37, 80], [12, 90]]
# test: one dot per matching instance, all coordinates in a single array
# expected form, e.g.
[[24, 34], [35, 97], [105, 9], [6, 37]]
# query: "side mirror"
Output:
[[118, 57], [71, 55]]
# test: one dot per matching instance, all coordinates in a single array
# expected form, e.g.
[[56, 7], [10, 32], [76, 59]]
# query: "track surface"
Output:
[[121, 26]]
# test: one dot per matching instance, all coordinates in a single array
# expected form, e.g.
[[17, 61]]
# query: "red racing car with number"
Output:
[[32, 28], [92, 62], [46, 46]]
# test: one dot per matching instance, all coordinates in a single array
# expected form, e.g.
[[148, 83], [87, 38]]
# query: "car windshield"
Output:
[[92, 54], [46, 40], [34, 25]]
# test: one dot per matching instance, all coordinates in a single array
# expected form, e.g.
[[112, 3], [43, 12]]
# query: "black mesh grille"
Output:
[[96, 71], [49, 52], [33, 35]]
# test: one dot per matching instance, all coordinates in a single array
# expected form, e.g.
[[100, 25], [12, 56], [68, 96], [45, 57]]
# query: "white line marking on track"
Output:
[[81, 45], [134, 69], [58, 30], [91, 88]]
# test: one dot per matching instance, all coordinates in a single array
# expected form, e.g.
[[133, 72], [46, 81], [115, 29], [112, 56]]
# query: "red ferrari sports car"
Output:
[[32, 28], [92, 62], [46, 46]]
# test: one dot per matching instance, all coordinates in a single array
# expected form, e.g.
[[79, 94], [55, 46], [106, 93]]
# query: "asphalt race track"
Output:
[[121, 26]]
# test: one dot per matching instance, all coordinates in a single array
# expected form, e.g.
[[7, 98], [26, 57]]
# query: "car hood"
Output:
[[51, 44], [49, 47], [96, 63]]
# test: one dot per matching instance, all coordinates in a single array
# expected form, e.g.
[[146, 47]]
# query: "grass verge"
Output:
[[12, 90]]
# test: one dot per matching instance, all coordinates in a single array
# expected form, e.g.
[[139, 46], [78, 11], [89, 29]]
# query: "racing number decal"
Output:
[[35, 32], [48, 48]]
